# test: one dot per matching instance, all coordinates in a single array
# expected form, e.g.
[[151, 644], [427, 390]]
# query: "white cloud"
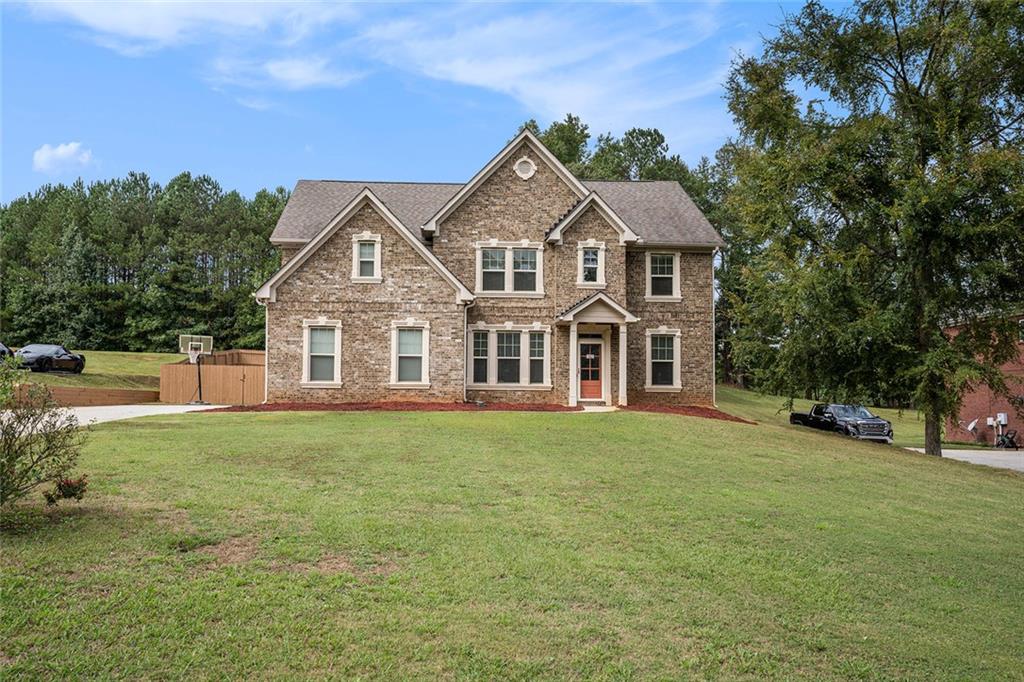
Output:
[[293, 73], [587, 60], [138, 27], [66, 156]]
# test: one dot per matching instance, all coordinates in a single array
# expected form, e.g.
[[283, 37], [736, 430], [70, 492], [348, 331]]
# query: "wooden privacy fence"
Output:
[[75, 396], [231, 377]]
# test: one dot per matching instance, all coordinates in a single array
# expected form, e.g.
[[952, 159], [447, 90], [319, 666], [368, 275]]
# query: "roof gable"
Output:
[[536, 145], [626, 234], [268, 291], [602, 305]]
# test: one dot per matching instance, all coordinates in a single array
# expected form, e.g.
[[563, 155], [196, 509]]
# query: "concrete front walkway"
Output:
[[999, 459], [110, 413]]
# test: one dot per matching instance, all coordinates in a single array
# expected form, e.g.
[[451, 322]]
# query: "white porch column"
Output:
[[573, 362], [622, 363]]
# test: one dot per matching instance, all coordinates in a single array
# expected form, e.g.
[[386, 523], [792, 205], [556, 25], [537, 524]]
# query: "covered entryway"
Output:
[[590, 323]]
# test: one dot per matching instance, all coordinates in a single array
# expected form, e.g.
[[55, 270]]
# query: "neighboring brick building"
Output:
[[525, 284], [981, 403]]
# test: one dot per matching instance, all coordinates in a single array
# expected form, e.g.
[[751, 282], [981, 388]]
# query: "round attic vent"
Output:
[[525, 168]]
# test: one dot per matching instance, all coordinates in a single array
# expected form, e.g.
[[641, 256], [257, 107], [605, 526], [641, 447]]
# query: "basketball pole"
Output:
[[199, 379]]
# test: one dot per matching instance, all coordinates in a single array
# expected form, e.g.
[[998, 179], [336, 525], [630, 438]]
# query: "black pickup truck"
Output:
[[851, 420]]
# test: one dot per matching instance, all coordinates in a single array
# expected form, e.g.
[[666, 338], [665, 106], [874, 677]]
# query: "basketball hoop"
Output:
[[193, 354], [196, 346]]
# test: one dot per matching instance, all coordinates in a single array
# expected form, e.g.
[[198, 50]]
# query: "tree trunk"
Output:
[[932, 433]]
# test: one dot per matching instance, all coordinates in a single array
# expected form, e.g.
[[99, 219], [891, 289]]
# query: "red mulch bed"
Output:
[[397, 407], [705, 412]]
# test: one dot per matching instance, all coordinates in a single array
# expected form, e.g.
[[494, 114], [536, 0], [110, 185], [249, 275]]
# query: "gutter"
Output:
[[467, 346]]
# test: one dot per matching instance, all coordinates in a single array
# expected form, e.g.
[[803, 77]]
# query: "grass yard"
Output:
[[111, 369], [514, 546], [907, 425]]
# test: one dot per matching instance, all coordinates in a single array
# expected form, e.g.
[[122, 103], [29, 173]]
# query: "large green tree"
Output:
[[883, 188]]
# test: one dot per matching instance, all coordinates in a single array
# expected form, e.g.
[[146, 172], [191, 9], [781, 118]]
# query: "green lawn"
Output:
[[908, 425], [514, 546], [111, 369]]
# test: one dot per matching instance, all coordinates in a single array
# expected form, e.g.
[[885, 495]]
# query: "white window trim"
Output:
[[524, 357], [410, 323], [676, 386], [580, 247], [357, 239], [509, 247], [306, 326], [676, 296]]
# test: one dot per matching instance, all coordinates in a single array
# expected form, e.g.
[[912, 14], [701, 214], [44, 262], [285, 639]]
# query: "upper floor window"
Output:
[[366, 257], [509, 268], [590, 264], [662, 276]]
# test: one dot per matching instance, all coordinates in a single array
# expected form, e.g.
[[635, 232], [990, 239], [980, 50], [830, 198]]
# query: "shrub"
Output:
[[39, 441], [67, 489]]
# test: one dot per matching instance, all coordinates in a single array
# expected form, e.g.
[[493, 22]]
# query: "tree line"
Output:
[[128, 264]]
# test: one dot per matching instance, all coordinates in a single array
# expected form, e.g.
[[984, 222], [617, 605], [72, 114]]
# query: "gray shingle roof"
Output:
[[314, 202], [659, 212]]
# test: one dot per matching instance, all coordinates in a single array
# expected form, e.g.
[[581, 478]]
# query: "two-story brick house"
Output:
[[525, 284]]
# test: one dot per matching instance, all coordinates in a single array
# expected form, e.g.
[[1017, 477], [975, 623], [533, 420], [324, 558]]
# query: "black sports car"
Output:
[[4, 351], [850, 420], [43, 357]]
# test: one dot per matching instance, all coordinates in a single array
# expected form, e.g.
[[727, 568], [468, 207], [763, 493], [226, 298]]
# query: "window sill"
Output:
[[319, 384], [663, 299], [508, 387], [418, 386], [663, 389], [367, 280], [591, 285], [509, 294]]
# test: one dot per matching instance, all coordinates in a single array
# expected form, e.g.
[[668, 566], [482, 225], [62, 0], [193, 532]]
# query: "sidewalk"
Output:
[[110, 413]]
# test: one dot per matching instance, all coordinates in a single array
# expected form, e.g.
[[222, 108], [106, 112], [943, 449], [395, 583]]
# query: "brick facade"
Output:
[[980, 403], [506, 208]]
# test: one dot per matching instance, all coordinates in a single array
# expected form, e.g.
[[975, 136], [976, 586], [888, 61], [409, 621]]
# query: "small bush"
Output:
[[67, 489], [39, 441]]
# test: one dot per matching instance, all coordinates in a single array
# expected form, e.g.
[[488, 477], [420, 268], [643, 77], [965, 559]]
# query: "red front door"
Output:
[[590, 371]]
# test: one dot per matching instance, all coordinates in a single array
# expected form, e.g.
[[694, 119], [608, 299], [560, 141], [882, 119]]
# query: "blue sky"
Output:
[[259, 95]]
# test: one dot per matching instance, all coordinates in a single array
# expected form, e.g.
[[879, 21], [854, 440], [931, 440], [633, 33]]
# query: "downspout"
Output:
[[466, 347], [266, 349], [714, 341]]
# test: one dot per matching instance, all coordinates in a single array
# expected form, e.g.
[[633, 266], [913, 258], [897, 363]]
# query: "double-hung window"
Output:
[[493, 267], [590, 264], [524, 270], [663, 274], [663, 359], [321, 358], [410, 354], [366, 258], [480, 357], [508, 357], [510, 269], [537, 353]]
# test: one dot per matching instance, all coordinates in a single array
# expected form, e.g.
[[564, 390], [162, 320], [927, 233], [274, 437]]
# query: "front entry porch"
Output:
[[591, 323]]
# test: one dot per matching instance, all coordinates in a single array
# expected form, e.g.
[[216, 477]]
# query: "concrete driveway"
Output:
[[1000, 459], [110, 413]]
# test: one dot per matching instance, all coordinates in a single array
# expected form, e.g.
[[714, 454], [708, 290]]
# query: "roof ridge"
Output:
[[383, 182]]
